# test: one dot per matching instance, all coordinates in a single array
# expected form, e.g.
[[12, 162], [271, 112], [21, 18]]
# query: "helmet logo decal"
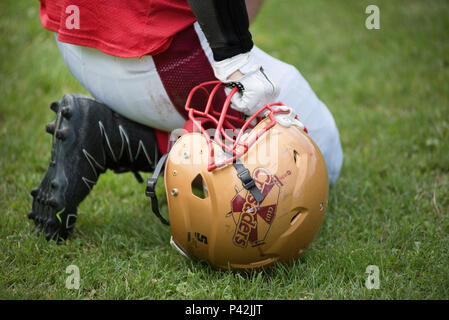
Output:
[[252, 219]]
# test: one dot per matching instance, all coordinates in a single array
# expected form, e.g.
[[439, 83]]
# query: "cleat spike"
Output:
[[54, 106], [50, 128], [61, 134], [66, 112], [34, 192]]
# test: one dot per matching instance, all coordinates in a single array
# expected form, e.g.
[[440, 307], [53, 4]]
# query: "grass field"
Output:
[[389, 92]]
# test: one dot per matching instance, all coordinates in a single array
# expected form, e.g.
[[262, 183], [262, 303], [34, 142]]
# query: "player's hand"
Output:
[[256, 87]]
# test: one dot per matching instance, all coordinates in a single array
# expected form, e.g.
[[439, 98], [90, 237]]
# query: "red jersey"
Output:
[[130, 28]]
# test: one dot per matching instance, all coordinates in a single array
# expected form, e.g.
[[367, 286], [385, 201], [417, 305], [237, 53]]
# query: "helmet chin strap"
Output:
[[247, 181], [150, 191]]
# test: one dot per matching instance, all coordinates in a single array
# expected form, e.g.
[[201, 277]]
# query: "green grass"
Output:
[[389, 92]]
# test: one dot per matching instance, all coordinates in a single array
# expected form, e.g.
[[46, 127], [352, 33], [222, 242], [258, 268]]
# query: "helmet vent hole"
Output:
[[295, 217], [199, 188], [295, 154]]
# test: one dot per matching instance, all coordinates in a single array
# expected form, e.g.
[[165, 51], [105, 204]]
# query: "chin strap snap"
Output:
[[150, 191]]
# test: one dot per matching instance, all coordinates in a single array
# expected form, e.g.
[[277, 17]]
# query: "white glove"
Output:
[[256, 87]]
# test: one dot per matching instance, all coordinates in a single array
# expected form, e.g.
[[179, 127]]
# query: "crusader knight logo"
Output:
[[253, 220]]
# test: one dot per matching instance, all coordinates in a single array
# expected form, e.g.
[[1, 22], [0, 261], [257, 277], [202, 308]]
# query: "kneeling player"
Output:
[[139, 60]]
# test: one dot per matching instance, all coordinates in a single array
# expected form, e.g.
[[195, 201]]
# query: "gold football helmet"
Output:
[[243, 194]]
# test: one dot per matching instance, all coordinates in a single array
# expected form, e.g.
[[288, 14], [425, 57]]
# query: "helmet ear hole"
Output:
[[295, 155], [295, 217], [199, 188]]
